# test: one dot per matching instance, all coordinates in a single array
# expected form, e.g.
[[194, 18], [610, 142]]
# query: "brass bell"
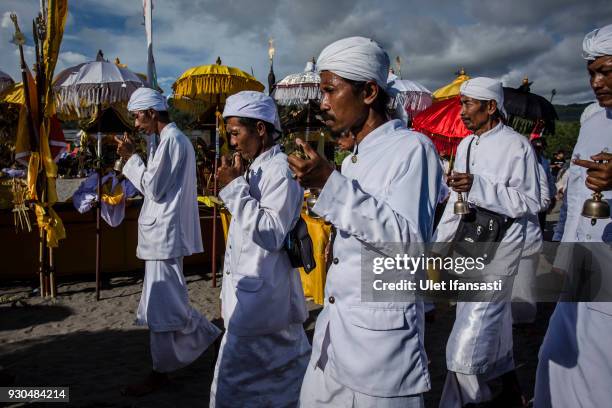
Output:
[[311, 201], [118, 167], [595, 208], [461, 207]]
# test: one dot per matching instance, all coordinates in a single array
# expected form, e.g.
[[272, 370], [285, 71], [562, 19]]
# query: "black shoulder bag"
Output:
[[480, 231], [299, 247]]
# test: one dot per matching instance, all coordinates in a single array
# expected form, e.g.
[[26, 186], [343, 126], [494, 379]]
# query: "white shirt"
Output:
[[506, 181], [261, 293], [578, 228], [169, 222], [388, 196], [533, 232]]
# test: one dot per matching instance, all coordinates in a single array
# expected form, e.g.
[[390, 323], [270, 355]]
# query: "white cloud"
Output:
[[434, 39], [6, 20], [72, 58]]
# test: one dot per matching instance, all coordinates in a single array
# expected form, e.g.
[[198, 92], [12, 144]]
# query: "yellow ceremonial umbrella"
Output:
[[207, 86], [200, 88], [207, 83], [13, 94], [452, 89]]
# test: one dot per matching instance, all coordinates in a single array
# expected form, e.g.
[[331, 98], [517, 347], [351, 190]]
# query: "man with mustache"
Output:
[[502, 178], [367, 354], [168, 230], [575, 360]]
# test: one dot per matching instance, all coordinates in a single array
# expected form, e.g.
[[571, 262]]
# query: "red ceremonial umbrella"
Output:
[[442, 123]]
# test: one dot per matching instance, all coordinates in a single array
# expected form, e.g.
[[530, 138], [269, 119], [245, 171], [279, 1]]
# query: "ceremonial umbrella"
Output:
[[299, 88], [443, 124], [12, 94], [298, 96], [408, 95], [204, 87], [85, 92], [452, 89], [5, 81], [8, 113], [527, 110], [12, 100]]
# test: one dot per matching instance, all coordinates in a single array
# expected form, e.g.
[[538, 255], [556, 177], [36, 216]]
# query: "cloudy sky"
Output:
[[434, 38]]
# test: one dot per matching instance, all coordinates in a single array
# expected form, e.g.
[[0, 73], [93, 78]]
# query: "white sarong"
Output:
[[179, 333]]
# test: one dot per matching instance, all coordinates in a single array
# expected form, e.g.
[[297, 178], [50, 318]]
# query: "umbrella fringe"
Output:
[[297, 95], [412, 102], [444, 145], [526, 126], [207, 88], [84, 99], [191, 106], [521, 125]]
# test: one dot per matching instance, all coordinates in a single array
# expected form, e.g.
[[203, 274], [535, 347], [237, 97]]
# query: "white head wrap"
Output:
[[356, 58], [485, 89], [597, 43], [254, 105], [147, 98]]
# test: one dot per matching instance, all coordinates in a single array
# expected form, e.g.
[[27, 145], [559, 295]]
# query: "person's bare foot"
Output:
[[152, 383]]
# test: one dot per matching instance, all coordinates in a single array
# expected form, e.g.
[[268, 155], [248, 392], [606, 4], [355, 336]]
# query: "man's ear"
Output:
[[492, 106], [371, 91], [151, 113], [261, 128]]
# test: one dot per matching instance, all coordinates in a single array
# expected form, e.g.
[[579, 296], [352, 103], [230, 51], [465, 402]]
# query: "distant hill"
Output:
[[571, 112]]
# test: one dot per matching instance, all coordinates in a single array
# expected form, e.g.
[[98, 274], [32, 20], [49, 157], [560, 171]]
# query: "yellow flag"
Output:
[[22, 143], [57, 11]]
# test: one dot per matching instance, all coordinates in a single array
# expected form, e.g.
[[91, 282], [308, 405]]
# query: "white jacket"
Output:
[[169, 222], [261, 292], [388, 196]]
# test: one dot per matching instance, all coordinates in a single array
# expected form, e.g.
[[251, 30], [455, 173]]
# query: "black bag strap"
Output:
[[467, 161]]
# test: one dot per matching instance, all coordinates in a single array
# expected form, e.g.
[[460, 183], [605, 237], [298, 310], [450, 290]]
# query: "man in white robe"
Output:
[[367, 354], [503, 178], [524, 293], [575, 360], [168, 230], [264, 351]]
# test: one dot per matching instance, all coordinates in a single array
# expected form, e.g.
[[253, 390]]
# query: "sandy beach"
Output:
[[94, 348]]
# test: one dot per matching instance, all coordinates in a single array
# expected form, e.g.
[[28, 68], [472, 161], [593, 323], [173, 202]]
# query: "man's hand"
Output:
[[312, 172], [229, 171], [599, 175], [125, 146], [551, 206], [460, 182]]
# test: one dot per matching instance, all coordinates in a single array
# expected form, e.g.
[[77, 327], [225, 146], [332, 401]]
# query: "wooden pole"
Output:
[[214, 223], [99, 207], [39, 32]]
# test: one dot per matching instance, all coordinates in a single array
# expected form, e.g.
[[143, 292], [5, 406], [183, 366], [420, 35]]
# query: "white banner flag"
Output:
[[148, 18]]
